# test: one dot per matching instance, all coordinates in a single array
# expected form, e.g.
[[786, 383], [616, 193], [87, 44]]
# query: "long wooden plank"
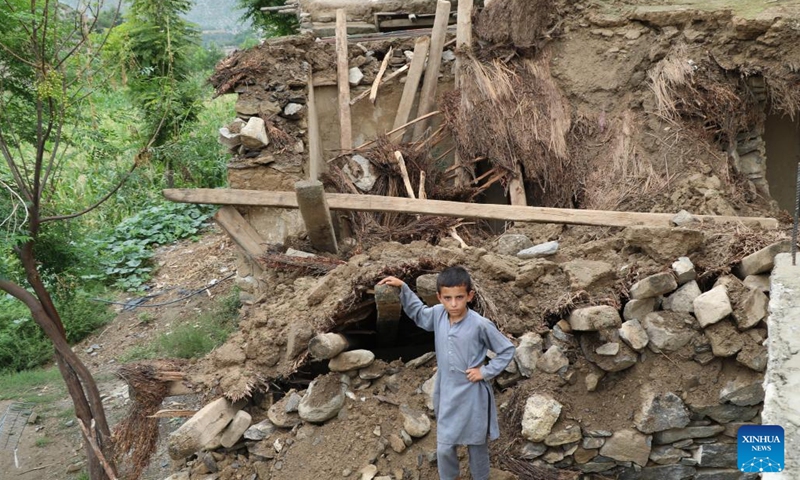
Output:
[[373, 92], [421, 47], [463, 35], [377, 203], [516, 187], [427, 96], [316, 163], [240, 231], [343, 76]]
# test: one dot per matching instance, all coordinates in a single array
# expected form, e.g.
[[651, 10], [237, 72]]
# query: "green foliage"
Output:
[[23, 345], [42, 442], [23, 386], [126, 252], [272, 23], [80, 314], [196, 338]]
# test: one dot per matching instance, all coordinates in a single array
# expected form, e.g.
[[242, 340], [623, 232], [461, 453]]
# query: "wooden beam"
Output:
[[377, 203], [427, 97], [516, 187], [412, 84], [389, 78], [343, 75], [316, 215], [242, 233], [463, 35], [401, 162], [316, 163], [373, 92], [173, 413]]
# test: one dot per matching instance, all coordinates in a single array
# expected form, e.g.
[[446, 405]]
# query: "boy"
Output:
[[462, 397]]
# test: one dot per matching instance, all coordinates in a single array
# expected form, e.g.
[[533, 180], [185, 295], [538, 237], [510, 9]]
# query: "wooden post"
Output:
[[343, 72], [316, 215], [401, 162], [240, 231], [516, 187], [463, 35], [428, 94], [421, 47], [373, 92], [316, 163]]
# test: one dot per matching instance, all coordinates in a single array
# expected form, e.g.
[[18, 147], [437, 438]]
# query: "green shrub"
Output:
[[23, 345]]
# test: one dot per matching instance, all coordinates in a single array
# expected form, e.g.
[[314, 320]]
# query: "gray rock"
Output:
[[636, 309], [667, 455], [592, 443], [668, 331], [717, 455], [361, 172], [324, 398], [684, 270], [684, 218], [593, 379], [374, 371], [228, 138], [596, 467], [293, 110], [682, 300], [260, 430], [553, 455], [416, 423], [625, 358], [254, 134], [678, 434], [532, 270], [355, 76], [552, 360], [292, 402], [751, 309], [628, 446], [588, 274], [279, 417], [568, 432], [591, 319], [744, 390], [609, 349], [632, 333], [528, 353], [762, 260], [726, 413], [653, 286], [541, 413], [661, 412], [421, 360], [724, 474], [531, 450], [753, 355], [448, 56], [724, 338], [712, 306], [427, 388], [512, 244], [352, 360], [757, 282], [537, 251], [662, 472]]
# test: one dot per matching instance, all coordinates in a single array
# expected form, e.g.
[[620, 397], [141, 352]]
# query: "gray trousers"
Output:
[[447, 461]]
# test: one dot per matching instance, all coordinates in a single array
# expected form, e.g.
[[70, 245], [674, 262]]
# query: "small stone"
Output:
[[720, 455], [653, 286], [628, 446], [668, 331], [667, 455], [260, 430], [724, 338], [552, 360], [593, 379], [684, 218], [683, 298], [743, 391], [292, 111], [368, 472], [751, 309], [537, 251], [684, 270], [416, 423], [762, 260], [712, 306], [254, 134], [637, 309], [512, 244], [396, 443], [595, 318], [632, 333], [352, 360], [355, 76], [753, 355], [726, 413], [592, 443], [757, 282], [528, 353], [569, 432], [228, 138], [292, 402], [625, 358], [448, 56], [661, 412], [678, 434], [539, 416], [373, 371], [421, 360], [361, 172], [531, 450], [609, 349], [406, 438]]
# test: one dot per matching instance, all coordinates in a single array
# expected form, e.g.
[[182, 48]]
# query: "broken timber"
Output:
[[248, 239], [377, 203]]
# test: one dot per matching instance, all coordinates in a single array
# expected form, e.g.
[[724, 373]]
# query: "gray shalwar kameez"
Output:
[[466, 413]]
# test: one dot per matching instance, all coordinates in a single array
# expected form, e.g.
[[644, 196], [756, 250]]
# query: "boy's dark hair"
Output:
[[454, 277]]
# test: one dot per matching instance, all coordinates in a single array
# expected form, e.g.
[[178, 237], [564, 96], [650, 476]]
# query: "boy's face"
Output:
[[455, 300]]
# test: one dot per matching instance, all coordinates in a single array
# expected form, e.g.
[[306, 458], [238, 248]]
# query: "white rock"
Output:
[[448, 56], [355, 76], [293, 110], [762, 260], [352, 360], [590, 319], [541, 413], [228, 138], [608, 349], [362, 173], [684, 270], [427, 388], [552, 360], [757, 282], [712, 306], [540, 250], [323, 399], [637, 309], [254, 134], [528, 353], [682, 300], [684, 218], [632, 333], [654, 285], [416, 423]]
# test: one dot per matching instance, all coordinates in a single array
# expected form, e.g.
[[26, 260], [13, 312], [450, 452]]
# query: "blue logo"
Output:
[[760, 448]]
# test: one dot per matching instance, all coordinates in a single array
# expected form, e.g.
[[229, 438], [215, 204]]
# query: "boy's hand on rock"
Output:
[[392, 281], [474, 374]]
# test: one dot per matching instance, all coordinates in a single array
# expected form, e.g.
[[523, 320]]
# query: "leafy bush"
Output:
[[126, 252], [80, 314], [23, 345]]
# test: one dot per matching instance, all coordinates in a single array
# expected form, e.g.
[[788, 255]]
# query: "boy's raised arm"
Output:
[[416, 310]]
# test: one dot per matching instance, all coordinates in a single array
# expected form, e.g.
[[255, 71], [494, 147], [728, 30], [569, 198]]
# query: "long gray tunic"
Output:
[[466, 413]]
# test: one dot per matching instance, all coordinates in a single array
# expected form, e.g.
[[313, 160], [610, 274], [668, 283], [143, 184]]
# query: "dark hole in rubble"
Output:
[[782, 138]]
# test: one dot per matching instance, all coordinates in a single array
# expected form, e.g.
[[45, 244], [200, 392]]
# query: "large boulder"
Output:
[[541, 413], [669, 331], [628, 445], [324, 398], [682, 300], [512, 244], [528, 353], [712, 306], [590, 319], [661, 412], [653, 286], [762, 260]]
